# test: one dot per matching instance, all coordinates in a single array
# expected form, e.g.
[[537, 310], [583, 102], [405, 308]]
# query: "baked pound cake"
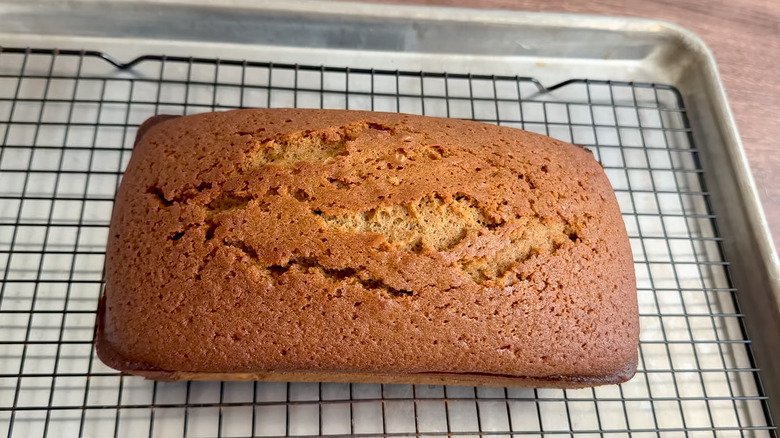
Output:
[[320, 245]]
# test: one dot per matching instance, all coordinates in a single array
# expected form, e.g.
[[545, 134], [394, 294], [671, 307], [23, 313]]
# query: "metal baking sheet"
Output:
[[645, 96]]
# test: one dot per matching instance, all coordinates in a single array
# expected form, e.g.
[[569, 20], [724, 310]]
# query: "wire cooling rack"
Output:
[[68, 120]]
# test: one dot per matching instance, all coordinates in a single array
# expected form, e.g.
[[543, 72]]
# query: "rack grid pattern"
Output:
[[67, 124]]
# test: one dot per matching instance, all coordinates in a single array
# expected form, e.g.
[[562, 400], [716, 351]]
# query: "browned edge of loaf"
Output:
[[115, 360], [148, 123]]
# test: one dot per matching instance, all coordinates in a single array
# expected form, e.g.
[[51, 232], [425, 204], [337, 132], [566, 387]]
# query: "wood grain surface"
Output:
[[745, 38]]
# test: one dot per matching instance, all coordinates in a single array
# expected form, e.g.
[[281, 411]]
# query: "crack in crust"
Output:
[[312, 265], [359, 275], [521, 239], [308, 146], [433, 223], [483, 248]]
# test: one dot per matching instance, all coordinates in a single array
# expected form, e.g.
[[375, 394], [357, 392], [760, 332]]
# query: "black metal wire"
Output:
[[405, 90], [721, 252]]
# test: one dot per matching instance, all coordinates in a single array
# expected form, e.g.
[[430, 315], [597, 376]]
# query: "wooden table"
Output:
[[745, 37]]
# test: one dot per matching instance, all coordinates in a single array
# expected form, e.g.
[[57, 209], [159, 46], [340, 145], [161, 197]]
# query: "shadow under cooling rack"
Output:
[[67, 123]]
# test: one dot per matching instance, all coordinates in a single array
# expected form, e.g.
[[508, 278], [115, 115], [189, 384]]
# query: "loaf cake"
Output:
[[323, 245]]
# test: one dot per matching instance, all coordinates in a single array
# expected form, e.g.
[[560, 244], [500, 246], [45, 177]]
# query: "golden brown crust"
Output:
[[343, 245]]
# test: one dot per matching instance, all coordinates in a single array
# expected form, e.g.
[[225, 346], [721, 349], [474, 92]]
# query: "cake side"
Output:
[[342, 242]]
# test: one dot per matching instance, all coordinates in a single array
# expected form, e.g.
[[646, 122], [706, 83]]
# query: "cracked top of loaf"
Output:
[[343, 241]]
